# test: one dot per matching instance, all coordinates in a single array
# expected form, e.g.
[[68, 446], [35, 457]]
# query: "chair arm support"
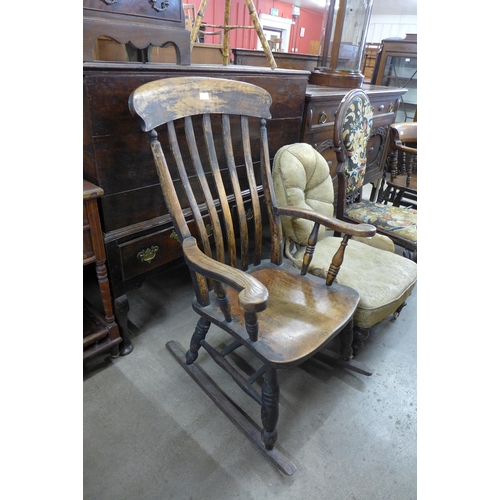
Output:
[[362, 230], [253, 294]]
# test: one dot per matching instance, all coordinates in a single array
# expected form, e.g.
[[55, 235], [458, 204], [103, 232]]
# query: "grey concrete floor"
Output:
[[149, 432]]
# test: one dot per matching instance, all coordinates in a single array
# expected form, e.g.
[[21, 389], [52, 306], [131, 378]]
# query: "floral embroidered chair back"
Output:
[[356, 130]]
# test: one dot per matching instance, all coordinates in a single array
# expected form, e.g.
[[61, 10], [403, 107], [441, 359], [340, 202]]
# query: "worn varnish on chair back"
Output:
[[282, 315]]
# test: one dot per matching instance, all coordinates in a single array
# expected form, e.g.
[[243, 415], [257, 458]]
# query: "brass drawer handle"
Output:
[[148, 254], [249, 214], [391, 107], [322, 117]]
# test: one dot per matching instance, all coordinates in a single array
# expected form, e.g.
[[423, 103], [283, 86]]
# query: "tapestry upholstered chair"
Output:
[[351, 133], [214, 132], [400, 187], [301, 179]]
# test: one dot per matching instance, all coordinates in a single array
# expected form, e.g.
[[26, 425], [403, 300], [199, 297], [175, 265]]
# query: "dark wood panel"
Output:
[[140, 8]]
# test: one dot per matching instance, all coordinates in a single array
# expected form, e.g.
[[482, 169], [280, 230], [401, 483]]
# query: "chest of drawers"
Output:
[[321, 104]]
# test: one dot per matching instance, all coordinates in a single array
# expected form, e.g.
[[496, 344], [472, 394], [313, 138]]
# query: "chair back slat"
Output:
[[256, 215], [193, 150], [209, 165], [221, 197], [228, 148]]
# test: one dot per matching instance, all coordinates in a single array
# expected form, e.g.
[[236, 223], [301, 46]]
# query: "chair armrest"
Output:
[[407, 149], [253, 294], [361, 230]]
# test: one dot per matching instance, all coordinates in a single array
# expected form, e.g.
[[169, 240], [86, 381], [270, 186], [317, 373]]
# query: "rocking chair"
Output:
[[216, 135]]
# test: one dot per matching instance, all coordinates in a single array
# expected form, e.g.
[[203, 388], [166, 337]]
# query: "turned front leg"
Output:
[[270, 408], [199, 334]]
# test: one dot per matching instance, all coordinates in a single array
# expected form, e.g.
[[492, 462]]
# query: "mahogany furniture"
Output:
[[209, 141], [321, 104], [138, 232], [383, 279], [396, 66], [100, 332], [401, 166], [351, 136], [139, 23]]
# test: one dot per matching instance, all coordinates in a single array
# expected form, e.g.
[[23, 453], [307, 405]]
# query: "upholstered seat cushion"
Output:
[[397, 220], [383, 279]]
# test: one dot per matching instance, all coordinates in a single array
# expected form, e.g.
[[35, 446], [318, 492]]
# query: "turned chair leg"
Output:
[[270, 408], [199, 334], [360, 335]]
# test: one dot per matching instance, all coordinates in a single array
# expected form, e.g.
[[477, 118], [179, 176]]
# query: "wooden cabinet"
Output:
[[397, 67], [140, 23], [321, 104], [100, 331], [138, 232]]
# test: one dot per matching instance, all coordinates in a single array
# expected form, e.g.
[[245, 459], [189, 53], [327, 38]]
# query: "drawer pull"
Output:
[[381, 107], [163, 5], [148, 254], [322, 117], [249, 214], [391, 107]]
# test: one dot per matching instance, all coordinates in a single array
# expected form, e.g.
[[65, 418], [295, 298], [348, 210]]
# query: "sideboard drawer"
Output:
[[321, 115], [153, 250]]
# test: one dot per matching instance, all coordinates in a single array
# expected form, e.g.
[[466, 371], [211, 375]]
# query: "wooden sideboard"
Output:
[[321, 104], [138, 23], [138, 232]]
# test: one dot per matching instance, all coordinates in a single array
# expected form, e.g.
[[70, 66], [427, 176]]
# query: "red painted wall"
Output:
[[247, 39]]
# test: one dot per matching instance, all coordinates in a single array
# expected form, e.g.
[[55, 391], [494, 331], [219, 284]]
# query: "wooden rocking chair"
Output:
[[281, 315]]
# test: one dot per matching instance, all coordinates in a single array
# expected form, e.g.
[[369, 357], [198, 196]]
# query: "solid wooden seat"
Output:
[[282, 315], [288, 327]]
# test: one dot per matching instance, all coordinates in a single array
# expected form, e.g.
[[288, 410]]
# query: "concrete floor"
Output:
[[149, 432]]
